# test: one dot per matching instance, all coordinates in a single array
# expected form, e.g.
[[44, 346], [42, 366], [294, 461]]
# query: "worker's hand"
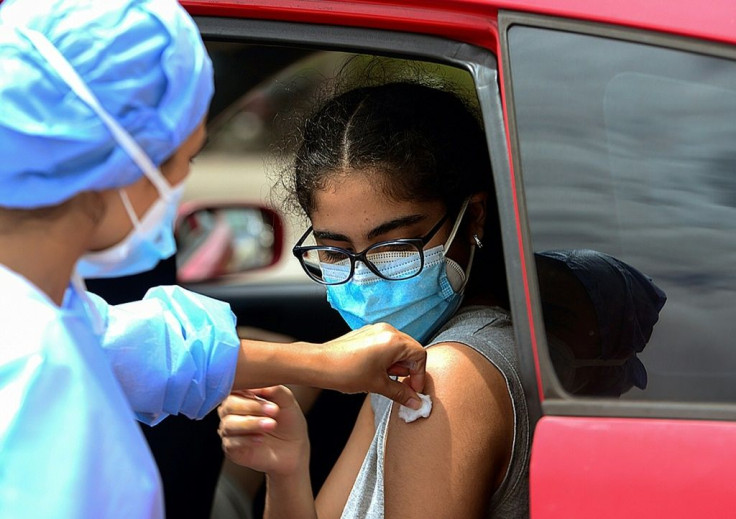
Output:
[[265, 429], [362, 360]]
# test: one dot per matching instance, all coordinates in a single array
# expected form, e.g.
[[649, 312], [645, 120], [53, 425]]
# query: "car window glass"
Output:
[[628, 149]]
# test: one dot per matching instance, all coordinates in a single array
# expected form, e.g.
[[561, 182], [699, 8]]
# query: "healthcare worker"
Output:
[[102, 107]]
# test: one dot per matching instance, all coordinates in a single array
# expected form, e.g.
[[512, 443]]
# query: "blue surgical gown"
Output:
[[69, 442]]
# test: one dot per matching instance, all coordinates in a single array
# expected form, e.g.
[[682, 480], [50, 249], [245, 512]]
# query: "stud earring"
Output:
[[478, 243]]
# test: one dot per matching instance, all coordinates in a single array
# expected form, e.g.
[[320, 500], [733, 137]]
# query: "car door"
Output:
[[622, 141]]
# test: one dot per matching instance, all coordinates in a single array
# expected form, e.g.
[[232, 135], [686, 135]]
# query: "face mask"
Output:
[[417, 306], [152, 238], [150, 241]]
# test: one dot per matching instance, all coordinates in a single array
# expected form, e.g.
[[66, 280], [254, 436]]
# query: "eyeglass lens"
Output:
[[392, 260]]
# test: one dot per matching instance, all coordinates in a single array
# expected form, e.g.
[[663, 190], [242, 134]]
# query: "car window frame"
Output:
[[480, 62], [556, 401]]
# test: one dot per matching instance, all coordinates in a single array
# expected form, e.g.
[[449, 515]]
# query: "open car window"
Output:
[[256, 114]]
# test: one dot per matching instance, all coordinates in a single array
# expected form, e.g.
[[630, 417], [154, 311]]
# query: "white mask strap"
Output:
[[129, 208], [67, 73], [453, 232], [458, 221]]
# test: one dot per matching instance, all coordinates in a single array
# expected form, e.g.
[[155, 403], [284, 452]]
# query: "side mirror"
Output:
[[221, 239]]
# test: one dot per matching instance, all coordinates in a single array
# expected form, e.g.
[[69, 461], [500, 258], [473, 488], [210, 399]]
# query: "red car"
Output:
[[611, 126]]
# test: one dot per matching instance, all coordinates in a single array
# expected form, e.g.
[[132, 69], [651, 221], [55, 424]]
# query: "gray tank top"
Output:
[[489, 332]]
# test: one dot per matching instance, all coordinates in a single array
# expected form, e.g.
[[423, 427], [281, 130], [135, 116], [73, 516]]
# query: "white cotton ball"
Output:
[[409, 415]]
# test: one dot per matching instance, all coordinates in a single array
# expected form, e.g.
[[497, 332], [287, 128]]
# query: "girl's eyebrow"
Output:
[[397, 223], [404, 221], [327, 235]]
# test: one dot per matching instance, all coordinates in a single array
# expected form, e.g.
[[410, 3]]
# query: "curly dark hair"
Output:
[[420, 142]]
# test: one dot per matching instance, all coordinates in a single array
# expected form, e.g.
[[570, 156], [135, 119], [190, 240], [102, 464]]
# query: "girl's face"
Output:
[[353, 213]]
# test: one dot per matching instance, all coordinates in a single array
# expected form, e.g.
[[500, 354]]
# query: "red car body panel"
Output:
[[615, 467], [463, 21], [470, 20]]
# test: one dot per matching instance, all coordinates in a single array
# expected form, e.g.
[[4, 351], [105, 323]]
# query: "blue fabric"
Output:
[[149, 242], [69, 444], [174, 352], [143, 59], [417, 306]]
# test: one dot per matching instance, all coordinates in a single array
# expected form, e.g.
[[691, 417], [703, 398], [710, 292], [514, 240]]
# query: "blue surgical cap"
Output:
[[145, 62]]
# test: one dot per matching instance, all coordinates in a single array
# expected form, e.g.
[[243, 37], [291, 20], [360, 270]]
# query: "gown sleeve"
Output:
[[173, 352]]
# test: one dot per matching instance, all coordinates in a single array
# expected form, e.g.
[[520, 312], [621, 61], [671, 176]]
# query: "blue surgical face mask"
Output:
[[150, 241], [417, 306]]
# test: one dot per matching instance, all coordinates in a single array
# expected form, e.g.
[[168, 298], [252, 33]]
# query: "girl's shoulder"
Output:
[[465, 444], [476, 319], [487, 330]]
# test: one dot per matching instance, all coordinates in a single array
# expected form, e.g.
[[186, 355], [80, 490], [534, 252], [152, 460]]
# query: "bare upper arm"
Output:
[[452, 461], [335, 491]]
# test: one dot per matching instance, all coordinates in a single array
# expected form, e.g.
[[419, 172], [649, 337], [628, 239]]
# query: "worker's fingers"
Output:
[[400, 392], [410, 358], [414, 370], [404, 355], [364, 358]]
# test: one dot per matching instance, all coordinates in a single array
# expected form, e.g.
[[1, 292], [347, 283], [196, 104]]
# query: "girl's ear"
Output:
[[476, 216]]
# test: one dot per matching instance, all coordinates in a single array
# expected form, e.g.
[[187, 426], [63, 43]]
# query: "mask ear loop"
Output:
[[70, 76], [456, 226], [129, 208], [451, 237]]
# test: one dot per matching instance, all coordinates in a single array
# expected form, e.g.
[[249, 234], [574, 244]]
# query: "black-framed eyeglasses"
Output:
[[334, 265]]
